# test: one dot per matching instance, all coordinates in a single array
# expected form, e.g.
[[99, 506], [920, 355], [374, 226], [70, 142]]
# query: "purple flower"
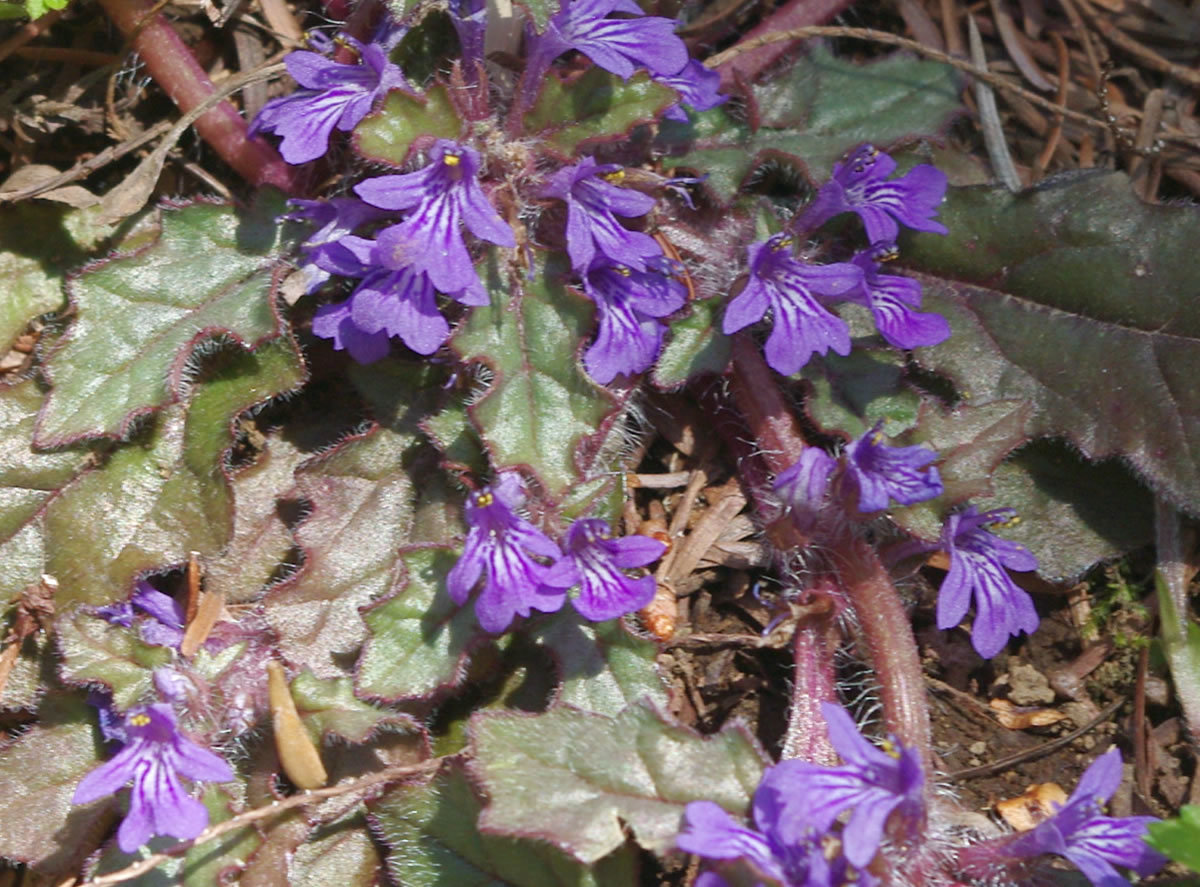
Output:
[[803, 486], [337, 95], [880, 472], [628, 305], [332, 220], [393, 300], [977, 562], [873, 782], [785, 285], [860, 185], [616, 45], [595, 561], [784, 846], [1083, 834], [698, 87], [442, 197], [165, 628], [501, 546], [593, 203], [469, 18], [892, 300], [154, 756]]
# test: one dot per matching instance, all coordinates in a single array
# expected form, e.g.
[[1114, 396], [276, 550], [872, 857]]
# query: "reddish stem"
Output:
[[757, 395], [176, 70], [813, 682]]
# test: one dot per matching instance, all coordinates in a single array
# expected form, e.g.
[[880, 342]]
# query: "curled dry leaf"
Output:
[[1016, 717], [1038, 803]]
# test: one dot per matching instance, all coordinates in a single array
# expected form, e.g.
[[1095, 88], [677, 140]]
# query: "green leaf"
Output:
[[1178, 838], [341, 853], [419, 638], [39, 243], [37, 8], [603, 667], [39, 772], [28, 481], [696, 347], [329, 708], [572, 778], [599, 105], [94, 652], [810, 116], [391, 133], [431, 828], [541, 409], [363, 499], [850, 394], [153, 503], [141, 316], [451, 431], [1075, 297]]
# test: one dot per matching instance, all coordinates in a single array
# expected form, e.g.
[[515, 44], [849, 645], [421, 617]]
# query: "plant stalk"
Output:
[[176, 70]]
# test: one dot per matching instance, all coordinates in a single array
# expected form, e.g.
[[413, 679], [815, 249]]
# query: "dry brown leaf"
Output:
[[1038, 804], [1019, 718]]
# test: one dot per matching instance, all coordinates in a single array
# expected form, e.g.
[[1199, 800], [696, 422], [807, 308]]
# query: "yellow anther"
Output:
[[139, 720], [451, 159], [889, 749], [623, 271], [877, 438], [782, 243], [483, 500], [616, 177]]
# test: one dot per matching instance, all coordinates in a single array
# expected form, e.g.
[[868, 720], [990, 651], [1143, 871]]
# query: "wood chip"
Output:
[[1018, 718], [1038, 804]]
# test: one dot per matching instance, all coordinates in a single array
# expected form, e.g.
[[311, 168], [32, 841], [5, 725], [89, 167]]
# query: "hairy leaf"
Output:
[[541, 409], [362, 513], [850, 394], [391, 133], [38, 775], [94, 652], [341, 853], [39, 242], [572, 777], [140, 316], [329, 708], [599, 105], [419, 638], [697, 346], [822, 107], [431, 829], [603, 667], [151, 504], [1075, 297]]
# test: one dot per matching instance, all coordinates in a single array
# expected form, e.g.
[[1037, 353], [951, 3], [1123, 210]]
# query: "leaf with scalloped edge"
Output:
[[363, 497], [572, 778], [812, 114], [95, 652], [850, 394], [1078, 298], [330, 709], [602, 666], [39, 243], [403, 122], [696, 346], [419, 639], [541, 410], [152, 502], [597, 106], [140, 317], [39, 771], [431, 829]]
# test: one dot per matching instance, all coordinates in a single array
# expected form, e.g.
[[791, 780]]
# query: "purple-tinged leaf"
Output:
[[821, 108], [140, 316], [404, 123], [94, 652], [1077, 298], [638, 771], [431, 827]]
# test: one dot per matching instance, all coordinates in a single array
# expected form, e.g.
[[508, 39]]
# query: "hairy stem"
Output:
[[813, 682], [176, 70]]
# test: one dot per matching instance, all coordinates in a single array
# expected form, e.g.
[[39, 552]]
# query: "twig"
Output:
[[260, 813], [1064, 77], [1145, 54], [28, 31], [888, 39], [1032, 754]]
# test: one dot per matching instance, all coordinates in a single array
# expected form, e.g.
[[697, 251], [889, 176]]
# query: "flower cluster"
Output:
[[503, 549], [798, 804], [154, 756], [793, 290]]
